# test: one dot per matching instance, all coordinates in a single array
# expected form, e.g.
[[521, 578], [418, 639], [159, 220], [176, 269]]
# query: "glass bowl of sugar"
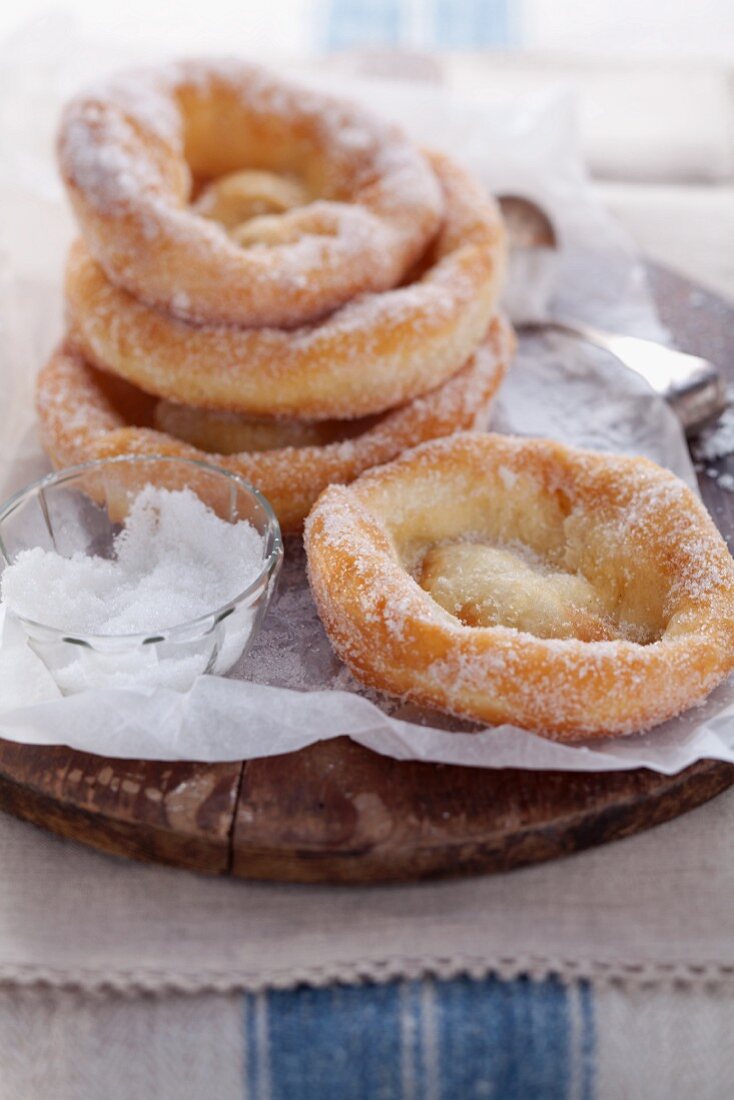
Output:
[[138, 572]]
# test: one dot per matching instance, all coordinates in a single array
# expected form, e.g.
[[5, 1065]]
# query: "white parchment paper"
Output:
[[291, 691]]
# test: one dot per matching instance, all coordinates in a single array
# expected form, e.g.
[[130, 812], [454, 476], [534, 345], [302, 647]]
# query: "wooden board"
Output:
[[336, 812]]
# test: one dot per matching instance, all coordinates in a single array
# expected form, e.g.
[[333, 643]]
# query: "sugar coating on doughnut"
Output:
[[376, 352], [485, 585], [616, 541], [230, 433], [237, 198], [86, 414], [131, 149]]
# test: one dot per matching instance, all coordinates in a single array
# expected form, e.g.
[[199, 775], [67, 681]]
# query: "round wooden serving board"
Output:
[[336, 812]]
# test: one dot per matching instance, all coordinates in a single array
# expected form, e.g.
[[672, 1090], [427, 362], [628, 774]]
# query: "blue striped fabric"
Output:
[[421, 1040], [351, 23], [417, 24], [471, 24]]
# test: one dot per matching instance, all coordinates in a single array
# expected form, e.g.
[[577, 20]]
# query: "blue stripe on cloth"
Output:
[[588, 1038], [257, 1049], [339, 1043], [504, 1039], [355, 23], [421, 1040], [412, 1069], [422, 24], [470, 24]]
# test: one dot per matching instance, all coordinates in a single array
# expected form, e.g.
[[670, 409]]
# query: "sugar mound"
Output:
[[717, 441], [174, 560]]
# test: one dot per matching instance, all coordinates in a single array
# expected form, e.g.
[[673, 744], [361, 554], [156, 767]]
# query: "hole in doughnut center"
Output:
[[249, 205], [222, 433], [228, 433], [485, 585], [519, 547], [520, 544]]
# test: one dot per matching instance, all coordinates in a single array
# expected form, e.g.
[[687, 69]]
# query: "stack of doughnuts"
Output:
[[269, 279]]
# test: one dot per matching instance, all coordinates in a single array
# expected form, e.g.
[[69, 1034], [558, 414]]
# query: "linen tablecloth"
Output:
[[408, 1040], [607, 974]]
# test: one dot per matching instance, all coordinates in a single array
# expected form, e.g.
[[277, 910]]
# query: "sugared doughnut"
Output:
[[228, 433], [374, 353], [235, 199], [132, 150], [487, 586], [86, 414], [572, 593]]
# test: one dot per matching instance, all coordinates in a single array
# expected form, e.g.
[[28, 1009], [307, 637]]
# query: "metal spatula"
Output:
[[693, 387]]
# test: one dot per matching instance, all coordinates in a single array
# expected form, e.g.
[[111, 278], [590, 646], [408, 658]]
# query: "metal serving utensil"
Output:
[[693, 387]]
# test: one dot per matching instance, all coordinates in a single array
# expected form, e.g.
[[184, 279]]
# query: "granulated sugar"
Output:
[[718, 440], [173, 561]]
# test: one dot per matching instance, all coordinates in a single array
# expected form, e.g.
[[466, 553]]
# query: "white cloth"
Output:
[[660, 1044], [653, 908]]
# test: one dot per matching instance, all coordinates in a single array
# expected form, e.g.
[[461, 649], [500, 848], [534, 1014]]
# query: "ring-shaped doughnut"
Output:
[[629, 536], [237, 198], [131, 150], [85, 414], [376, 352]]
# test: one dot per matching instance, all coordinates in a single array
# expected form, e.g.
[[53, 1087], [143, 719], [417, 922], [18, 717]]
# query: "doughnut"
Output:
[[132, 152], [235, 199], [486, 586], [572, 593], [86, 414], [229, 433], [376, 352]]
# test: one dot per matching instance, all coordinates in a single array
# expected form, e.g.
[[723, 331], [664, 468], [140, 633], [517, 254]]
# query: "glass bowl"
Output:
[[81, 509]]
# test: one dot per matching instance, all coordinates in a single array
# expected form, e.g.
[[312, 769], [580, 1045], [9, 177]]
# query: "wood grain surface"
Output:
[[336, 812]]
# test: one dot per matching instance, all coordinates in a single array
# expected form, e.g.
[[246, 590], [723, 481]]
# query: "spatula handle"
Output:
[[693, 387]]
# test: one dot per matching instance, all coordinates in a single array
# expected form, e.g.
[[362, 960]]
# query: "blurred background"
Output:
[[653, 81], [629, 27]]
